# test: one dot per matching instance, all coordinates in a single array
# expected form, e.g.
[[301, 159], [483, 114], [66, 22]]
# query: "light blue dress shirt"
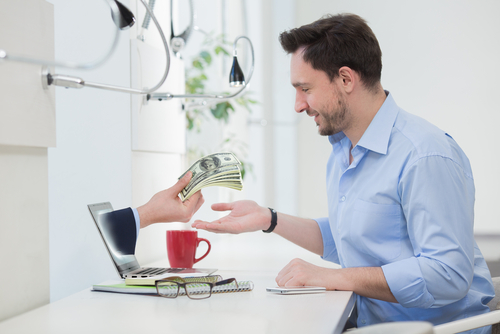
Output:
[[406, 204]]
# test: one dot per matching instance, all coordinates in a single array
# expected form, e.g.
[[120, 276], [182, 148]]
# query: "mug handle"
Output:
[[198, 240]]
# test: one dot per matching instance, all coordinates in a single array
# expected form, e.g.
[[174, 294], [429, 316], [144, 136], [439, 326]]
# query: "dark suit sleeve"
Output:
[[119, 229]]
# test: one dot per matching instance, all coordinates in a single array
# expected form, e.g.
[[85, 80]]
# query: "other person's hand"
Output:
[[166, 206], [245, 216]]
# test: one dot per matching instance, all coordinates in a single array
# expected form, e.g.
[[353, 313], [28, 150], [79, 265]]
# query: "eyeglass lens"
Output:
[[193, 290]]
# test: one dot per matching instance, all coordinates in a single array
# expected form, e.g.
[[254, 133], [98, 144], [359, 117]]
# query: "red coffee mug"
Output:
[[181, 248]]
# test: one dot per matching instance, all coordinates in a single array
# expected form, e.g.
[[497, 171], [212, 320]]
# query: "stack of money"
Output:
[[218, 169]]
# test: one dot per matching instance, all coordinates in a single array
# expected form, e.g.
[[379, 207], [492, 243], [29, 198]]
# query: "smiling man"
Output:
[[400, 191]]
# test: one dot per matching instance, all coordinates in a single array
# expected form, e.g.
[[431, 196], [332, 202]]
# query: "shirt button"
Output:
[[342, 199], [363, 321]]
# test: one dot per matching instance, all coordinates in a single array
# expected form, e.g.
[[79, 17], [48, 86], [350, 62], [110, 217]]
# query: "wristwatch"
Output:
[[274, 221]]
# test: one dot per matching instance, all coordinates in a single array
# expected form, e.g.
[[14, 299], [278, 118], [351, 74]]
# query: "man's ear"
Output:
[[348, 79]]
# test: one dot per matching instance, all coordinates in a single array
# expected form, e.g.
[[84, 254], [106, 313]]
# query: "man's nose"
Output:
[[300, 103]]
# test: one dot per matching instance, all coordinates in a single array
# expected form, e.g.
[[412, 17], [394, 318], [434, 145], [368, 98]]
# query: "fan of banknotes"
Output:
[[218, 169]]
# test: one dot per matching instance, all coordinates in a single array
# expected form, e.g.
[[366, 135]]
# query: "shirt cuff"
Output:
[[406, 282], [137, 221]]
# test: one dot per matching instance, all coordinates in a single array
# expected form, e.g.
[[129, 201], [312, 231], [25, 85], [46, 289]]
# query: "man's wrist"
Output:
[[143, 217]]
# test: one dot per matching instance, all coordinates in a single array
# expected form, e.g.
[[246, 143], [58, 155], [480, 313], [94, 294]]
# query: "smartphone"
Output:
[[296, 289]]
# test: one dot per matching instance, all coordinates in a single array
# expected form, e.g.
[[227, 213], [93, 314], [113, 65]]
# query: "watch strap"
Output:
[[274, 221]]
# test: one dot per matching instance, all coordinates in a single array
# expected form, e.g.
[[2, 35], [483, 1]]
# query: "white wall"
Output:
[[24, 241], [27, 128], [440, 60], [284, 119]]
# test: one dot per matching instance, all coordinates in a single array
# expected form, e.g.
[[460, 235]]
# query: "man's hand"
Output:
[[166, 206], [364, 281], [301, 273], [245, 216]]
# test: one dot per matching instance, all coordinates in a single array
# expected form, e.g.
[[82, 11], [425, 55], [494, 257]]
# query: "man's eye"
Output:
[[305, 90]]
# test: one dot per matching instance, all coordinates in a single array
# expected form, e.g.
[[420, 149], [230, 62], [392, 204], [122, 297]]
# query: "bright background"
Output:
[[440, 61]]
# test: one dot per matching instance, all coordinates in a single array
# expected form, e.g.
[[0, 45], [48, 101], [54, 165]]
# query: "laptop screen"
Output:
[[110, 233]]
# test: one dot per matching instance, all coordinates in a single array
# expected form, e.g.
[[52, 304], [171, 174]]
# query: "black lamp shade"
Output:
[[123, 18], [236, 78]]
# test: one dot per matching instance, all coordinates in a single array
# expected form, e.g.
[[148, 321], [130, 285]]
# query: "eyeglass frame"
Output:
[[184, 283]]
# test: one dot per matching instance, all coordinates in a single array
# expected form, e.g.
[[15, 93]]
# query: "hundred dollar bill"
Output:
[[219, 169], [206, 179], [221, 181], [225, 171], [229, 179], [211, 162]]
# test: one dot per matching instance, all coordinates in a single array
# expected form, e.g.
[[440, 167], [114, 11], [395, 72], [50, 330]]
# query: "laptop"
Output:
[[124, 259]]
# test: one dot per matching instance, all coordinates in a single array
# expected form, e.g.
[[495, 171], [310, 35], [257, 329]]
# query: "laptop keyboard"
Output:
[[157, 271]]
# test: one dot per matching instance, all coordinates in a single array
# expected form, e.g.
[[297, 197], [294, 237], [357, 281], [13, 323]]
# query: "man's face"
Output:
[[320, 98]]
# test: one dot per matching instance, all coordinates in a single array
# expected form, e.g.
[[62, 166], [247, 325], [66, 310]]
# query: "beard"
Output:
[[333, 120]]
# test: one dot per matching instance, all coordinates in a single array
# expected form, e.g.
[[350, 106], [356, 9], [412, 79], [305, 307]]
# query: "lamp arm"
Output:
[[4, 55], [167, 96], [75, 82], [165, 46]]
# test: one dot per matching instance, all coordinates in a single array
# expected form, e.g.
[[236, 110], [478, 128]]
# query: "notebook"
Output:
[[120, 287], [121, 255]]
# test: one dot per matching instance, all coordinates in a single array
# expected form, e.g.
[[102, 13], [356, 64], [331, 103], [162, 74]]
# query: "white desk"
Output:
[[245, 312]]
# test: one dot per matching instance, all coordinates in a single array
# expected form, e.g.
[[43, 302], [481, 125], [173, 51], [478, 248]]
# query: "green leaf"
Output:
[[197, 64], [221, 111], [190, 123], [206, 57], [219, 49], [218, 110], [194, 86]]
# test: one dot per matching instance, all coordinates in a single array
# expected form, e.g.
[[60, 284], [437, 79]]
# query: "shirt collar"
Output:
[[376, 136]]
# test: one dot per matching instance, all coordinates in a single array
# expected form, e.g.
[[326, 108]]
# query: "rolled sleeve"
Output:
[[406, 283], [329, 248]]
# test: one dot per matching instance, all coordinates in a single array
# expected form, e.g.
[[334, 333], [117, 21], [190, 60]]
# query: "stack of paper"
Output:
[[219, 169]]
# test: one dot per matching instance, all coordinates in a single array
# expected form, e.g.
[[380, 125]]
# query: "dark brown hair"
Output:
[[335, 41]]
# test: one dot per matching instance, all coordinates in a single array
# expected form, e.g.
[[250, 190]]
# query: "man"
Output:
[[400, 191]]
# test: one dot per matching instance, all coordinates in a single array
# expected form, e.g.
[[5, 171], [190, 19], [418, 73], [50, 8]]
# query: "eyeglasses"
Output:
[[194, 287]]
